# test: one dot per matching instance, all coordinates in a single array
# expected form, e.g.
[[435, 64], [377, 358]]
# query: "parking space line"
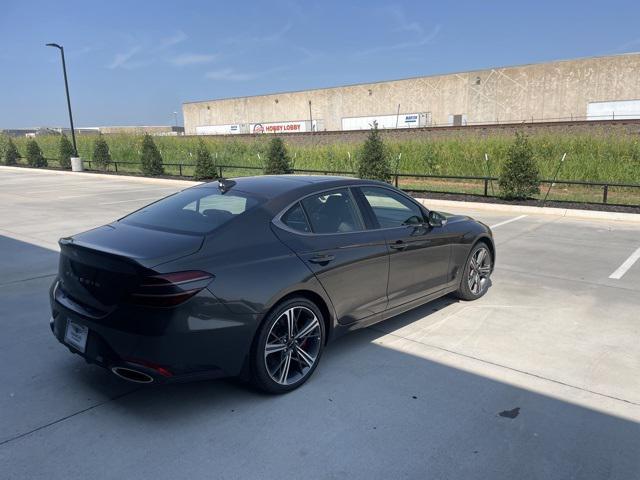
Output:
[[508, 221], [132, 200], [626, 265]]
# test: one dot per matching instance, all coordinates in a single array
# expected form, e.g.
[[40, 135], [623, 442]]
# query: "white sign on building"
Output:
[[282, 127], [404, 120], [622, 109], [230, 129]]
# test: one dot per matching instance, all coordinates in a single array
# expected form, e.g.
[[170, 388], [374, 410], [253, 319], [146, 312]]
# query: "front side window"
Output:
[[332, 212], [195, 210], [392, 209]]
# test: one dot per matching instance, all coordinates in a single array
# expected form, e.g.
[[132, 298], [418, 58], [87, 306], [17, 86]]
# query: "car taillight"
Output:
[[170, 289]]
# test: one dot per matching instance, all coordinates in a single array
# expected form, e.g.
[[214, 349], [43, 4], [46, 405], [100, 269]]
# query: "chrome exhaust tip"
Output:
[[131, 375]]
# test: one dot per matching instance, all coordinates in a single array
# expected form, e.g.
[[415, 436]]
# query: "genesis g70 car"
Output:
[[251, 277]]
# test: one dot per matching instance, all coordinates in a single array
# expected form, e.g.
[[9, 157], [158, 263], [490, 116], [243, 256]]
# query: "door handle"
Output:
[[322, 258], [399, 245]]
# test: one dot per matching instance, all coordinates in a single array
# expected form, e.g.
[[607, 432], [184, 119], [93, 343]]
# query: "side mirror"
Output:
[[436, 219]]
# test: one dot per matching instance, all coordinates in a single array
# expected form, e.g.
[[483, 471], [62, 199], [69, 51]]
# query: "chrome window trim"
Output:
[[277, 220]]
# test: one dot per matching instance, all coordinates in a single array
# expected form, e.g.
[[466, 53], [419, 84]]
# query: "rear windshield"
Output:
[[196, 210]]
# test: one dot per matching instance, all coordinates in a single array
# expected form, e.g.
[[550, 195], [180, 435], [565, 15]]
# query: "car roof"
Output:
[[272, 186]]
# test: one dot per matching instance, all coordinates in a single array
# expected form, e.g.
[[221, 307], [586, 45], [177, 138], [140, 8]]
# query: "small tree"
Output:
[[65, 152], [374, 159], [11, 154], [101, 154], [205, 166], [150, 158], [34, 155], [277, 161], [519, 176]]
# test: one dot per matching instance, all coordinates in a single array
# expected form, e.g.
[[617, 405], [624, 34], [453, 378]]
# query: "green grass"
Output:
[[598, 157]]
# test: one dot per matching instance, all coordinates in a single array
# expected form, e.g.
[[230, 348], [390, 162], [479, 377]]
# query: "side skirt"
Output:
[[378, 317]]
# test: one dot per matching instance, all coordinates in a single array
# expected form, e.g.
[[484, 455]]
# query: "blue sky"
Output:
[[135, 62]]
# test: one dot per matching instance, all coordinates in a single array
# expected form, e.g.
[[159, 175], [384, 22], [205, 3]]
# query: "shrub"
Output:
[[373, 162], [34, 155], [65, 152], [205, 166], [277, 161], [101, 155], [11, 154], [150, 158], [519, 176]]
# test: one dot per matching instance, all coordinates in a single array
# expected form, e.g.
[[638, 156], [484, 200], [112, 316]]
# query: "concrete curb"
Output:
[[559, 212], [161, 181]]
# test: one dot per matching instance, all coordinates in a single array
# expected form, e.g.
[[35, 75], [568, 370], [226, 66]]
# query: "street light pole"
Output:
[[66, 87]]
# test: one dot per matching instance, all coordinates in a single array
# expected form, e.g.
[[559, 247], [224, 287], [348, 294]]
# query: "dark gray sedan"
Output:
[[252, 277]]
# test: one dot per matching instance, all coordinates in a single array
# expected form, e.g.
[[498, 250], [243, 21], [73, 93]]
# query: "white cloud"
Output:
[[403, 24], [230, 74], [122, 60], [252, 41], [418, 42], [142, 54], [192, 59], [409, 28], [174, 39], [630, 46]]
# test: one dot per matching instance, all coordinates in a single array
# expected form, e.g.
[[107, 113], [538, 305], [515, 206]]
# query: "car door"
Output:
[[328, 232], [418, 253]]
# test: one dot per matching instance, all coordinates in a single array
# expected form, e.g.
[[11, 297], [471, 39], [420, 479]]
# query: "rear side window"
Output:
[[333, 212], [296, 219], [196, 210]]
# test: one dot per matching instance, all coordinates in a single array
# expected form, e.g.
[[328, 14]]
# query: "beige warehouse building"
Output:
[[589, 88]]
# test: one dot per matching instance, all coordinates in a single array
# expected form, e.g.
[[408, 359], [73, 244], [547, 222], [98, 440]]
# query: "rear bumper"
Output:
[[198, 340]]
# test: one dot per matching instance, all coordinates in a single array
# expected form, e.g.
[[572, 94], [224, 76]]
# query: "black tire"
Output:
[[265, 374], [468, 289]]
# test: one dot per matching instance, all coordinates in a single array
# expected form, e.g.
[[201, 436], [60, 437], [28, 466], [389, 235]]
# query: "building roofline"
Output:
[[376, 82], [134, 126]]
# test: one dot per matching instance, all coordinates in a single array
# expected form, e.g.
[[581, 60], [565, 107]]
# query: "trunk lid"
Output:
[[99, 268]]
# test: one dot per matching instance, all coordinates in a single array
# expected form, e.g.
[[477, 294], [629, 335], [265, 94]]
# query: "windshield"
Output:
[[195, 211]]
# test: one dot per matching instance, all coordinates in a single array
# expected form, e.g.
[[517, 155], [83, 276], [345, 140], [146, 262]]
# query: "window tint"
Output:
[[196, 210], [392, 209], [296, 219], [332, 212]]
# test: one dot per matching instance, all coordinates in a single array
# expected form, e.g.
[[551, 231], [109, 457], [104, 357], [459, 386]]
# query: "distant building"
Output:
[[583, 89], [19, 132], [160, 130], [138, 130]]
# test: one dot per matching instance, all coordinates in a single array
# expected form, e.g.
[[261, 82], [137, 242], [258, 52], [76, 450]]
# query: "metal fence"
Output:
[[575, 191]]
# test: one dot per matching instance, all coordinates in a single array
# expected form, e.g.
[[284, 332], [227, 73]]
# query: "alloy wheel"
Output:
[[293, 345], [479, 270]]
